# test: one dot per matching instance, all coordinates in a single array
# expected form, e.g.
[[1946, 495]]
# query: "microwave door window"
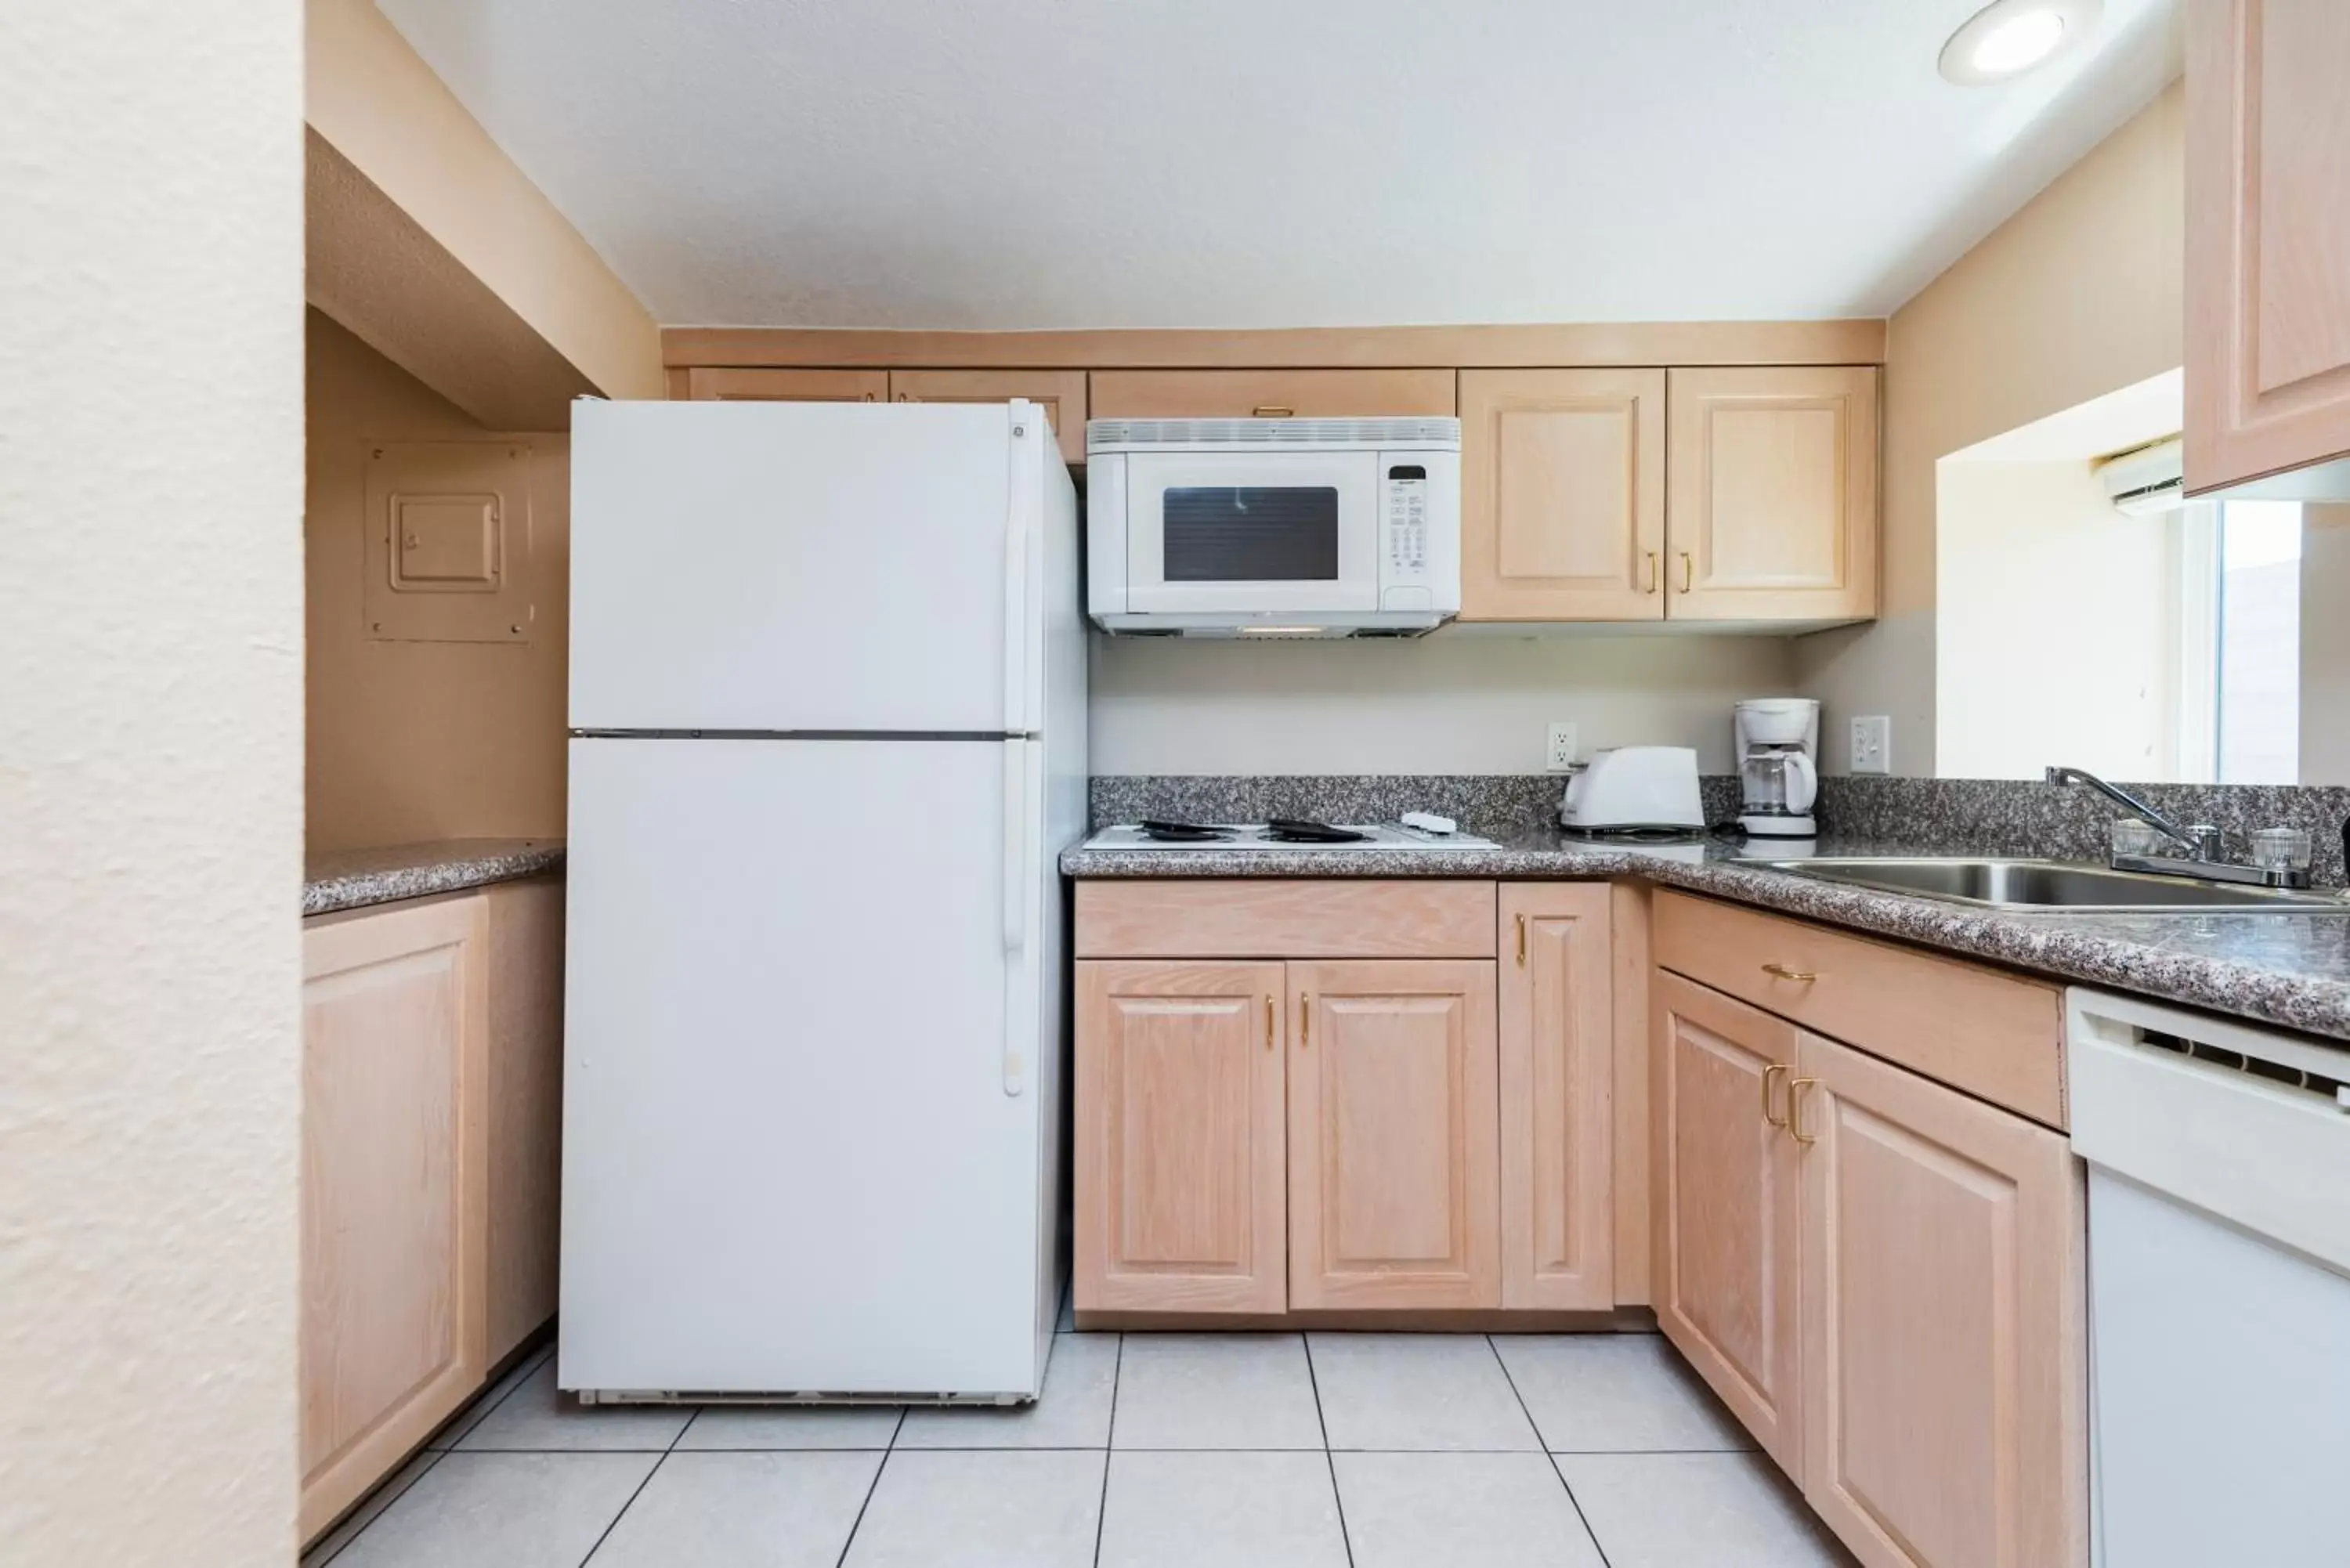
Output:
[[1251, 533]]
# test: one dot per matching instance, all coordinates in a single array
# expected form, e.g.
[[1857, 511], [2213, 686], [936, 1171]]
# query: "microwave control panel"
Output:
[[1407, 522]]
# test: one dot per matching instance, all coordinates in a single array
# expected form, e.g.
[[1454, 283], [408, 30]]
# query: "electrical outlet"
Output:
[[1872, 744], [1559, 757]]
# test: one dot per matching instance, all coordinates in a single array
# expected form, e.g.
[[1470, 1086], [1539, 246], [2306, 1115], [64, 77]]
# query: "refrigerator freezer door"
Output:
[[797, 566], [791, 1164]]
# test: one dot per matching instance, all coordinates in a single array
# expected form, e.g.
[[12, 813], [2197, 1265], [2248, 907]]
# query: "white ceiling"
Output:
[[1071, 163]]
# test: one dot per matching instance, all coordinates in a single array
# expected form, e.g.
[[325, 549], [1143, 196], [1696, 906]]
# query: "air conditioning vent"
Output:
[[1125, 435], [2147, 480]]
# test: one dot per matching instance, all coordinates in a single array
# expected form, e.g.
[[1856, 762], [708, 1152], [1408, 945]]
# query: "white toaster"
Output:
[[1634, 787]]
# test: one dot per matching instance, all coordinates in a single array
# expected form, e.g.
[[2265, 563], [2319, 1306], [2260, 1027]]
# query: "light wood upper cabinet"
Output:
[[1943, 1297], [1728, 1197], [1269, 394], [2268, 237], [1061, 394], [706, 384], [1394, 1168], [1557, 1067], [1772, 506], [1562, 494], [1179, 1174], [394, 1190]]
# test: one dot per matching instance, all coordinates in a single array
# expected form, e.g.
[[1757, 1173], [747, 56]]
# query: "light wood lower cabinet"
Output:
[[1727, 1191], [431, 1121], [394, 1190], [1394, 1168], [1942, 1299], [1557, 1077], [1881, 1277], [1179, 1203]]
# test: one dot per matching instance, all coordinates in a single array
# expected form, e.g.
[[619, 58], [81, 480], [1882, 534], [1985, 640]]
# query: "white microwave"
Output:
[[1272, 528]]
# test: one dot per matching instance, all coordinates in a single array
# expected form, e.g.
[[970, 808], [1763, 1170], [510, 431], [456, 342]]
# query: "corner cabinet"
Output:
[[1880, 1274], [2268, 240], [1772, 487], [1342, 1098]]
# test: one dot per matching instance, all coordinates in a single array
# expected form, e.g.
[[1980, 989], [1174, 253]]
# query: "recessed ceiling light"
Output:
[[2008, 38]]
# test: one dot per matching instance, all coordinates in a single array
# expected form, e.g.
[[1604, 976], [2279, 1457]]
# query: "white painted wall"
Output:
[[1450, 703], [2058, 636], [151, 777], [2324, 645]]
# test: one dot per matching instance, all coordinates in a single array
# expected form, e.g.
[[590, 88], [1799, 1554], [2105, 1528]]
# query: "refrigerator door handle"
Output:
[[1016, 577], [1015, 845], [1016, 882]]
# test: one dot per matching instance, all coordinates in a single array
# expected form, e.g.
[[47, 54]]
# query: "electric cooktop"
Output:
[[1178, 836]]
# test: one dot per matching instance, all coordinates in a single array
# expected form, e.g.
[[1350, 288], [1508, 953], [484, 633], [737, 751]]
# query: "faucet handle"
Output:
[[2210, 842]]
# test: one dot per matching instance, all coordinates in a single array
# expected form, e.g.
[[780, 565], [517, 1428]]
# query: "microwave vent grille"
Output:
[[1105, 434]]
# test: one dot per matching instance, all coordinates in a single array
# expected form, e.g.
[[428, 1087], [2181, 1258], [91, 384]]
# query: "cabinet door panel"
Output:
[[1729, 1207], [1772, 514], [1178, 1180], [1060, 393], [1941, 1323], [2268, 238], [704, 384], [1394, 1164], [1562, 494], [394, 1212], [1269, 394], [1557, 1062]]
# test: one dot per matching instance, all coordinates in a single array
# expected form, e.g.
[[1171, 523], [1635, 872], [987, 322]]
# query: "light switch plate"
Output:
[[1872, 744], [1558, 756]]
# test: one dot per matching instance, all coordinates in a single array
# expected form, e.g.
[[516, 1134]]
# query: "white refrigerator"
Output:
[[828, 740]]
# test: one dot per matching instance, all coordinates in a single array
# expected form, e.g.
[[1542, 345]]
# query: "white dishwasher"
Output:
[[2219, 1287]]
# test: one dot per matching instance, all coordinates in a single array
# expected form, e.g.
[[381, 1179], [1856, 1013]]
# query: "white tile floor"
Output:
[[1324, 1451]]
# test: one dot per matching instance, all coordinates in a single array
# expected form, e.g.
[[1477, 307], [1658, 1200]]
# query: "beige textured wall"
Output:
[[1450, 703], [2077, 294], [411, 740], [151, 806], [2324, 644], [380, 106]]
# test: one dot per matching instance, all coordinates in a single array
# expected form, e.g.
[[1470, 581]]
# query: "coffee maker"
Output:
[[1778, 766]]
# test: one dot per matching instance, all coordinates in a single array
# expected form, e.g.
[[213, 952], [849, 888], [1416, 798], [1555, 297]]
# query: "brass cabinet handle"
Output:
[[1268, 1020], [1651, 557], [1522, 942], [1774, 1070], [1688, 572], [1272, 411], [1780, 972], [1305, 1019], [1795, 1087]]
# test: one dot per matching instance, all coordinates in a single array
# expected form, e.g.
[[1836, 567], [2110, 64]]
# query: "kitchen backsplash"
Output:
[[1986, 816]]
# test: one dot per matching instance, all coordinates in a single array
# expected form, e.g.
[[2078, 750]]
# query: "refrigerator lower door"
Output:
[[793, 1164]]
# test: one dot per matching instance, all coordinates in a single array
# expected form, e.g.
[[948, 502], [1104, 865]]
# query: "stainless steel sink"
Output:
[[2055, 885]]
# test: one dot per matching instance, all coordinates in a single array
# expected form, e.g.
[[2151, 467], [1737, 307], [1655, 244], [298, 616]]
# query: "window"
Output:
[[2240, 645]]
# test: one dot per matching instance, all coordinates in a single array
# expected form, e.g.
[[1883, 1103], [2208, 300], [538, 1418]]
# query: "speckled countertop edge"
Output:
[[2290, 969], [355, 878]]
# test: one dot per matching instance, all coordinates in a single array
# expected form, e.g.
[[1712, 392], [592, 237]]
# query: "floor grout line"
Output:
[[1109, 1445], [1329, 1461], [870, 1488], [1573, 1501], [434, 1463], [676, 1438]]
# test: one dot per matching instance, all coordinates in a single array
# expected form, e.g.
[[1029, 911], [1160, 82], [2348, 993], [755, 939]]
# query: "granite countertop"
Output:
[[354, 878], [2291, 970]]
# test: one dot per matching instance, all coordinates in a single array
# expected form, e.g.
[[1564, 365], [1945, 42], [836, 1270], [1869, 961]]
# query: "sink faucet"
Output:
[[2202, 840]]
